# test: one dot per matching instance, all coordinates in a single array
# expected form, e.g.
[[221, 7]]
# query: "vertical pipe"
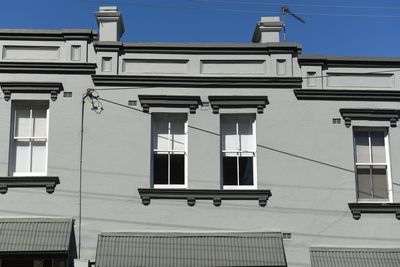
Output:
[[80, 175]]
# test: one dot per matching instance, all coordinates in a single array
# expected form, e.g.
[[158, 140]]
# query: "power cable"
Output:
[[243, 10], [297, 5]]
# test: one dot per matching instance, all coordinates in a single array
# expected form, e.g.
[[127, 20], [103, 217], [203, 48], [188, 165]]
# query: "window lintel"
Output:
[[391, 115]]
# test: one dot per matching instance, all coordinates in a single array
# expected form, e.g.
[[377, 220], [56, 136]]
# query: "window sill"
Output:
[[49, 182], [217, 195], [373, 207]]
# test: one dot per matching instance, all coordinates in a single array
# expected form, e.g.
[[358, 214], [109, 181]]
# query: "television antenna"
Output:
[[285, 10]]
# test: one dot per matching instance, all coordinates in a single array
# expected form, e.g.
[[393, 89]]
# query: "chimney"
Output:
[[267, 30], [111, 26]]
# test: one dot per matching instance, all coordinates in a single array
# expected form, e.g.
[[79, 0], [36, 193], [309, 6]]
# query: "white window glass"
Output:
[[372, 164], [29, 143], [238, 143], [169, 155]]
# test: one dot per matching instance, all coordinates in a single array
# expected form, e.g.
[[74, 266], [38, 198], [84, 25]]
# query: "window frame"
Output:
[[168, 115], [253, 116], [385, 130], [13, 139]]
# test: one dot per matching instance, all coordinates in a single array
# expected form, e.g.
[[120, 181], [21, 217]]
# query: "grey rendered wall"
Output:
[[303, 158]]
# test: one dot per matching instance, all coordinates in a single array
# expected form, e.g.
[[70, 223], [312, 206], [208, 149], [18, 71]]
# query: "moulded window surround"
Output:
[[238, 151], [106, 64], [281, 66], [372, 164], [169, 150], [311, 79], [29, 142]]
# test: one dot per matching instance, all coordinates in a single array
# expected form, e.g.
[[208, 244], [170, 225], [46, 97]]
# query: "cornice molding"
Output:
[[48, 35], [49, 182], [47, 67], [343, 61], [197, 81], [170, 101], [391, 115], [347, 95], [51, 88], [217, 195], [239, 101], [358, 208]]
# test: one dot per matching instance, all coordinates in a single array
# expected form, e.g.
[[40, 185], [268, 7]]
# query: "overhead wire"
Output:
[[248, 11], [296, 5]]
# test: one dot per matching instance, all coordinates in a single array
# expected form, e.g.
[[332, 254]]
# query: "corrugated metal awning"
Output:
[[35, 234], [190, 249], [354, 257]]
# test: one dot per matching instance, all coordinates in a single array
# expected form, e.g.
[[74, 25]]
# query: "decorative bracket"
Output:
[[9, 88], [216, 195], [391, 115], [49, 182], [358, 208], [170, 101], [257, 102]]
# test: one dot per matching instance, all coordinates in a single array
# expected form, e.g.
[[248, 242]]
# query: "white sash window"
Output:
[[372, 164], [169, 133], [238, 141], [29, 138]]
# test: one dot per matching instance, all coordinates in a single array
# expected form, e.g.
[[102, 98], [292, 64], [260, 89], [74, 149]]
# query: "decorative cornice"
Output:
[[197, 81], [47, 67], [240, 101], [391, 115], [107, 46], [172, 101], [217, 195], [51, 88], [49, 182], [341, 61], [48, 35], [347, 95], [358, 208], [200, 48]]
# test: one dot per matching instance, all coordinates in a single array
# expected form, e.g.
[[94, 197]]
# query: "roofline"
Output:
[[199, 48], [349, 61], [48, 35]]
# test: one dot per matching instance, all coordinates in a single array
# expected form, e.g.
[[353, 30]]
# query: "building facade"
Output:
[[159, 154]]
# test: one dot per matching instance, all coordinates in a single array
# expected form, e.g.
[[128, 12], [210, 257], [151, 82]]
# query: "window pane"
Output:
[[177, 175], [22, 156], [378, 147], [178, 132], [39, 122], [230, 140], [230, 170], [246, 139], [362, 146], [160, 168], [38, 156], [160, 134], [246, 171], [22, 119], [379, 181], [364, 182]]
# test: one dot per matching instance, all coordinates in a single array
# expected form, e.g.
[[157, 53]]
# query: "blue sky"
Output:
[[376, 34]]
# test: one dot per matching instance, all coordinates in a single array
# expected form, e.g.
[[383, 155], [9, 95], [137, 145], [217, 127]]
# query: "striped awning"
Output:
[[36, 235], [190, 249], [354, 257]]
